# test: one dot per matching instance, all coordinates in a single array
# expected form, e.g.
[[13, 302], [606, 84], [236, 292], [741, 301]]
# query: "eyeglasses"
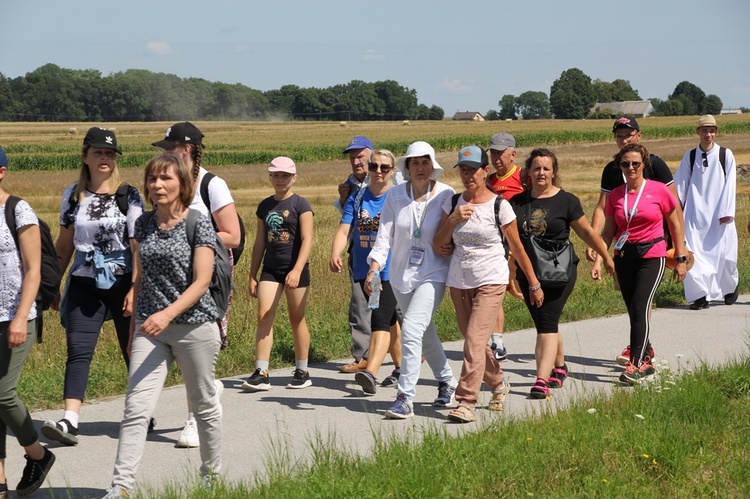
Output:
[[628, 164], [626, 137], [705, 160], [373, 167]]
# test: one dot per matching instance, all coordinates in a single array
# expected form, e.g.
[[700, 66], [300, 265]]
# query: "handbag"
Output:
[[553, 261]]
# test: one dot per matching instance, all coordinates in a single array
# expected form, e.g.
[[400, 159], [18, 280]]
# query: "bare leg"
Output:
[[269, 293], [395, 346], [548, 346], [296, 302]]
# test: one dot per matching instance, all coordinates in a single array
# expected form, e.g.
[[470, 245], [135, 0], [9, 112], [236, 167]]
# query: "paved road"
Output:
[[282, 426]]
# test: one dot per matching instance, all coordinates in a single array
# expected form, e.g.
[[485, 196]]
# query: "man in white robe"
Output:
[[707, 192]]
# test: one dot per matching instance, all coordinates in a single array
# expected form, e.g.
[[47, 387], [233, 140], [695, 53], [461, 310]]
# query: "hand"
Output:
[[292, 279], [127, 305], [537, 297], [446, 249], [680, 270], [252, 287], [155, 324], [335, 264], [462, 213], [725, 220], [609, 264], [343, 193], [591, 254], [596, 270], [17, 332], [368, 284]]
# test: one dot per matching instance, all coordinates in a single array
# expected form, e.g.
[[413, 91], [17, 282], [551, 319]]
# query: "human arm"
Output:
[[129, 302], [306, 237], [30, 249], [339, 243], [597, 223], [610, 228], [677, 229], [64, 249], [259, 249], [510, 233], [448, 222], [729, 193], [137, 274], [228, 225], [593, 240]]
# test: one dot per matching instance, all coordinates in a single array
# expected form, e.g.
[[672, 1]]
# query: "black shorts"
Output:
[[279, 276], [385, 316]]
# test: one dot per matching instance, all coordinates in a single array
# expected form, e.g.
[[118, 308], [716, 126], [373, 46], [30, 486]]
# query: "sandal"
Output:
[[557, 376], [498, 397], [462, 414]]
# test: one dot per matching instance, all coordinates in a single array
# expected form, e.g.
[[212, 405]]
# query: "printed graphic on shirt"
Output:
[[538, 223], [275, 223]]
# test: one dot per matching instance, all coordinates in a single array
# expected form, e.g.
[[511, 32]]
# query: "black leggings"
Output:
[[639, 278], [87, 308]]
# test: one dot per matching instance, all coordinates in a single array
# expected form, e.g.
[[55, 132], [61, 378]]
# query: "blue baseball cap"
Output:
[[3, 158], [473, 157], [357, 143]]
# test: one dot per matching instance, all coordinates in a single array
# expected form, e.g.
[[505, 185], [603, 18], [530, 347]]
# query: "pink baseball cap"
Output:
[[283, 164]]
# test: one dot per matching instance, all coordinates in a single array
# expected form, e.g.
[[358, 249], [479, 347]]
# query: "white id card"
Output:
[[622, 240], [416, 256]]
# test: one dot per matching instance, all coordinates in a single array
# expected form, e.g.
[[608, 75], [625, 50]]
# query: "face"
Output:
[[100, 160], [541, 172], [473, 178], [625, 136], [164, 186], [631, 165], [707, 135], [502, 160], [282, 182], [181, 150], [358, 159], [420, 168], [384, 169]]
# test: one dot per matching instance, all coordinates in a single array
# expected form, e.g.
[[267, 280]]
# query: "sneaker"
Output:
[[151, 425], [391, 379], [446, 392], [633, 374], [367, 381], [34, 473], [401, 408], [116, 492], [624, 357], [300, 379], [557, 376], [354, 366], [500, 352], [258, 382], [699, 304], [189, 436], [62, 431], [219, 385], [540, 390], [732, 297]]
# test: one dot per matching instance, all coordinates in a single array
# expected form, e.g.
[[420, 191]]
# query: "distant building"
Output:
[[468, 116], [731, 111], [635, 108]]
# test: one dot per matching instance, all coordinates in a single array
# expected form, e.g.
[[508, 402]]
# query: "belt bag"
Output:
[[631, 251], [552, 260]]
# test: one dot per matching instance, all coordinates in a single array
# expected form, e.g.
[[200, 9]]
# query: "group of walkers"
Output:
[[409, 236]]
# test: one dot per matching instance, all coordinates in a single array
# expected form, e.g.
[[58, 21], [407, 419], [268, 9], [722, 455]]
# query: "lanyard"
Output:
[[419, 218], [629, 214]]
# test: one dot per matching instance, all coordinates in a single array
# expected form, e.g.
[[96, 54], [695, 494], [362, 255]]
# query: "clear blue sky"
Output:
[[460, 55]]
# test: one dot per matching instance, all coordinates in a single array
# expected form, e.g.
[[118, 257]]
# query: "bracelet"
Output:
[[680, 259], [132, 285], [534, 288]]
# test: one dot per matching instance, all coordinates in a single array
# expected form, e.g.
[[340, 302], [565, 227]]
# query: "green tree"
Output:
[[712, 105], [533, 105], [436, 113], [491, 115], [508, 108], [691, 96], [616, 91], [399, 101], [571, 95], [671, 107]]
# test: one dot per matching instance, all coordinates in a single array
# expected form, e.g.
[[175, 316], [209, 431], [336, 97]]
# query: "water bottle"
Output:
[[374, 301]]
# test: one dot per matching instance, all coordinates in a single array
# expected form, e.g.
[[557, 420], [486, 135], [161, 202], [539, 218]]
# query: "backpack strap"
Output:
[[454, 202], [204, 191], [121, 196], [723, 159], [693, 153], [498, 200], [10, 218], [191, 221]]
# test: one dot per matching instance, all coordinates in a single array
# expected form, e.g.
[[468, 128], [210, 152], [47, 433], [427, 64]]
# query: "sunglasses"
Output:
[[373, 167], [628, 164], [705, 160]]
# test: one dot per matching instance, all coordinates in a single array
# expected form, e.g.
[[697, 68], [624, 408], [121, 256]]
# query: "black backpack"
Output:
[[693, 155], [236, 252], [49, 287]]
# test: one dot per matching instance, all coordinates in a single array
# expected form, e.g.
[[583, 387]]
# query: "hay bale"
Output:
[[406, 123], [343, 123], [72, 130]]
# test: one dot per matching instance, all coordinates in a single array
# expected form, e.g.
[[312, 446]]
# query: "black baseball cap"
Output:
[[180, 133], [101, 138], [626, 122]]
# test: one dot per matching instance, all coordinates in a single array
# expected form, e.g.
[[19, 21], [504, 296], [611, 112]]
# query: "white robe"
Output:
[[708, 195]]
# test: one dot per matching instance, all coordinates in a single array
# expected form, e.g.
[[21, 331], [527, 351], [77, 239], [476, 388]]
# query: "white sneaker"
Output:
[[219, 388], [116, 492], [189, 436]]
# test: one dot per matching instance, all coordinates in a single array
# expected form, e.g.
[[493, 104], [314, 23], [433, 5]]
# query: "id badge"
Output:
[[416, 256], [622, 240]]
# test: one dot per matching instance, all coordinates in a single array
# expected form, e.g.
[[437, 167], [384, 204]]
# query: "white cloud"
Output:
[[159, 48], [371, 55], [456, 86]]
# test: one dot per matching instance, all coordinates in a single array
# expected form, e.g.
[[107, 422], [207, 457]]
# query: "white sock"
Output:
[[497, 339], [71, 416], [262, 365], [190, 418], [301, 364]]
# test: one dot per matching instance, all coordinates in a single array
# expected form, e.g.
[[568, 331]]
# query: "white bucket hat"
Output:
[[416, 150]]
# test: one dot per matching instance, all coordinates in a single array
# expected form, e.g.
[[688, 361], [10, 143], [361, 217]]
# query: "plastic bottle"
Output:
[[374, 301]]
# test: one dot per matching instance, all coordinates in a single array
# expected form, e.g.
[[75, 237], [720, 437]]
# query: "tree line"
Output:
[[52, 93], [573, 95]]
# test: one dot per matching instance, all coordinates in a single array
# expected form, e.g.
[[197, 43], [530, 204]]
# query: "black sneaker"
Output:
[[258, 382], [300, 379], [732, 297], [61, 431], [699, 304], [391, 379], [151, 425], [367, 381], [500, 352], [34, 473]]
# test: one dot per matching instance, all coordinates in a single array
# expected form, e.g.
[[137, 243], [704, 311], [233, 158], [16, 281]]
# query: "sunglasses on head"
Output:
[[373, 167]]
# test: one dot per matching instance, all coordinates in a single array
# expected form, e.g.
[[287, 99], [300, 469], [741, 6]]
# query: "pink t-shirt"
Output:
[[648, 222]]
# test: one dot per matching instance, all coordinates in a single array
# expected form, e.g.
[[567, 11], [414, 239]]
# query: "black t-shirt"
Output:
[[281, 219], [612, 174]]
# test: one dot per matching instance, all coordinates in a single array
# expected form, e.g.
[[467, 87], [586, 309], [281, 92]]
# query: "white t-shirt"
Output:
[[11, 270], [479, 257], [218, 194]]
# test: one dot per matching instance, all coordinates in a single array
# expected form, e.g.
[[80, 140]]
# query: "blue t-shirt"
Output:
[[365, 230]]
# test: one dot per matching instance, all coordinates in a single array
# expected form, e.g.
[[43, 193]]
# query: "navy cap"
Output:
[[357, 143]]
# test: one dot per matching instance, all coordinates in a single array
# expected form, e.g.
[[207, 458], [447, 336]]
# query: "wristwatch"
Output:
[[680, 259]]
